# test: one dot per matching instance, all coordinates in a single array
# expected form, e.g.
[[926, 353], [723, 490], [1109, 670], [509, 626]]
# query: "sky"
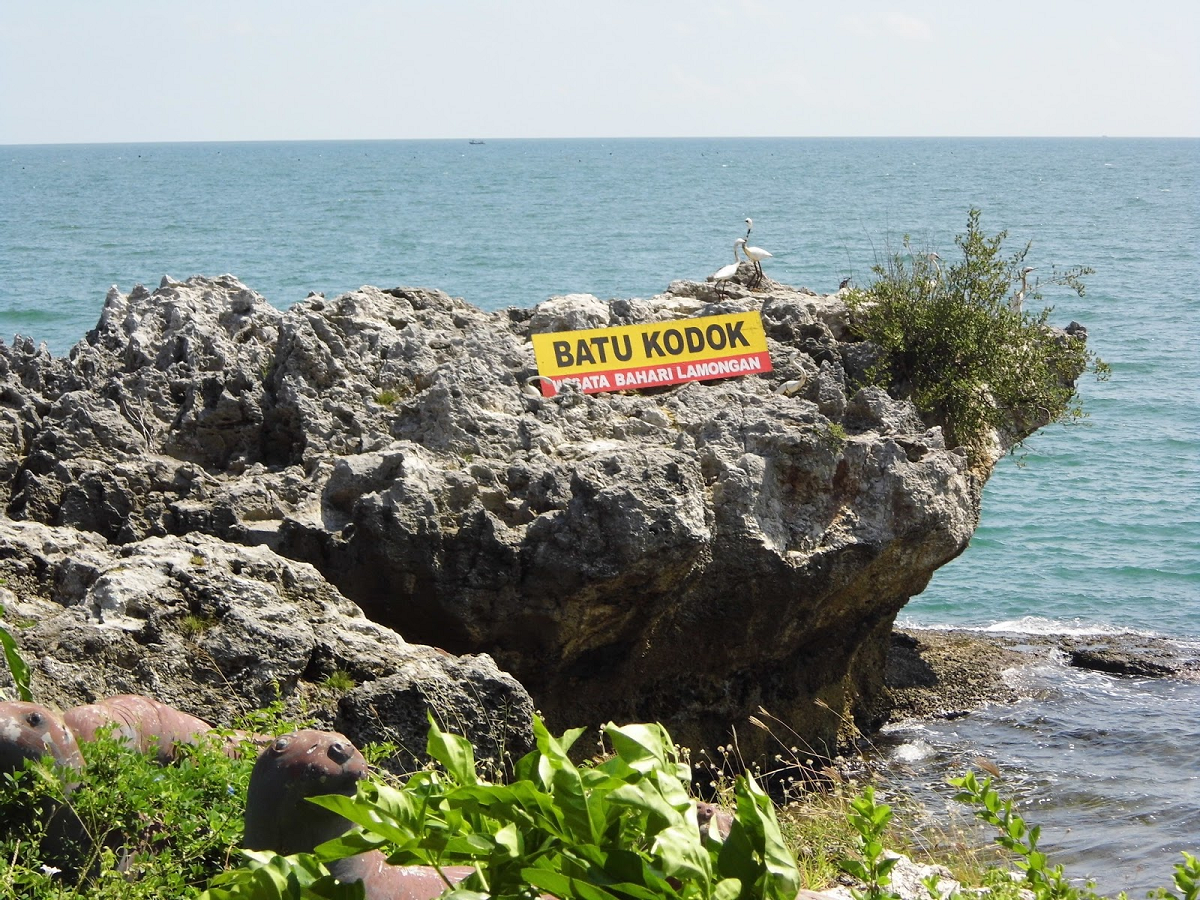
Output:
[[81, 71]]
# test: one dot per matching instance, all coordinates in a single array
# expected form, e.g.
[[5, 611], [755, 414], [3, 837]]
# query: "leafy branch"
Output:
[[870, 820], [1045, 881]]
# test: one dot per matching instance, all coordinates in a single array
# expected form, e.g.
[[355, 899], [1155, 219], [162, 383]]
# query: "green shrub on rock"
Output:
[[950, 341]]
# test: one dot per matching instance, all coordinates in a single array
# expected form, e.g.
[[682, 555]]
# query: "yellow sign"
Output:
[[635, 356]]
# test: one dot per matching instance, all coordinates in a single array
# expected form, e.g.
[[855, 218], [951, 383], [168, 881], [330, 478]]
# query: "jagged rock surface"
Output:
[[216, 629], [686, 554]]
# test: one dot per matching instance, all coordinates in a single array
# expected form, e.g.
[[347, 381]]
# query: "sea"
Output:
[[1092, 528]]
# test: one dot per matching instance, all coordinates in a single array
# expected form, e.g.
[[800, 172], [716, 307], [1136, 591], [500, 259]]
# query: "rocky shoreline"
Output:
[[947, 673]]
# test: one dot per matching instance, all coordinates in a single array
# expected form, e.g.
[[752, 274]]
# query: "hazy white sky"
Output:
[[182, 70]]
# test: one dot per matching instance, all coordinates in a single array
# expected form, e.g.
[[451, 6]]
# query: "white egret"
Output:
[[726, 273], [532, 388], [793, 387], [756, 255], [1018, 298], [937, 265]]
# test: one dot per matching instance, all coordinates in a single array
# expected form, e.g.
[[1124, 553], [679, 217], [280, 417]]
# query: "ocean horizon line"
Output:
[[484, 139]]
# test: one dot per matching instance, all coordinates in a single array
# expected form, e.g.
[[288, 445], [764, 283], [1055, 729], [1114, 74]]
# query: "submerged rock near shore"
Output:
[[688, 554]]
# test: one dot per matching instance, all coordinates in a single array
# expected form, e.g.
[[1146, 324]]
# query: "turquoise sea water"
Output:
[[1098, 530]]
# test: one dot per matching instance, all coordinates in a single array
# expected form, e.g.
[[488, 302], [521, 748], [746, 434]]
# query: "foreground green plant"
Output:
[[1045, 881], [873, 868], [1016, 837], [16, 665], [950, 342], [123, 828], [625, 828], [1187, 881], [126, 828]]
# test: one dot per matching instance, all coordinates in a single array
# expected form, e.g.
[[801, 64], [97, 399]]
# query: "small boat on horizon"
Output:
[[474, 142]]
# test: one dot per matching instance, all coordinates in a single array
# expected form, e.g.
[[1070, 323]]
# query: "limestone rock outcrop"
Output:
[[216, 629], [688, 554]]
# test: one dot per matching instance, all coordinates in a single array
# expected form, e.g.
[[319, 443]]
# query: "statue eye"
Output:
[[339, 752], [280, 745], [35, 719]]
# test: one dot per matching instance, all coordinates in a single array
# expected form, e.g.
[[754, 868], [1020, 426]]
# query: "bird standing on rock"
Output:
[[755, 254], [726, 273]]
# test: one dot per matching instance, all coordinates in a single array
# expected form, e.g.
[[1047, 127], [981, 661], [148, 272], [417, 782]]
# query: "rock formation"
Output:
[[685, 554], [216, 629]]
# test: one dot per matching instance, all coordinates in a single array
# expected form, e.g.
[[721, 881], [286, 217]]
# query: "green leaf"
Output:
[[560, 885], [470, 845], [560, 777], [883, 868], [453, 751], [550, 756], [546, 743], [394, 819], [738, 857], [583, 821], [16, 665], [626, 889], [268, 883], [756, 812], [351, 843], [881, 815], [1186, 875], [269, 876], [569, 737], [508, 840], [645, 748], [642, 747], [645, 796], [854, 868], [627, 867], [587, 891], [682, 854], [523, 802], [555, 883]]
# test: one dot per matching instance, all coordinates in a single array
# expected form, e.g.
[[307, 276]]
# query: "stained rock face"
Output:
[[686, 554]]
